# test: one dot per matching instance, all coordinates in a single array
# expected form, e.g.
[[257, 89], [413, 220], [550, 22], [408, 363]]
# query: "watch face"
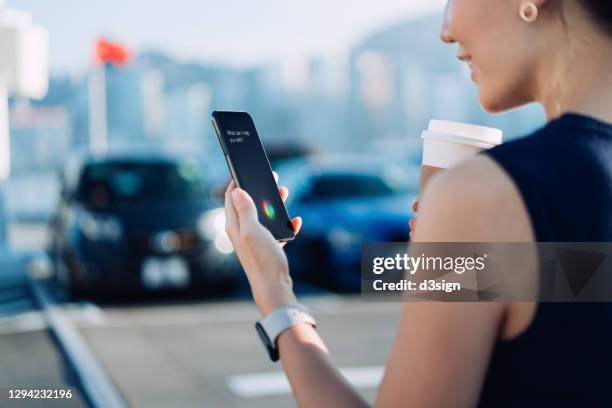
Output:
[[270, 347]]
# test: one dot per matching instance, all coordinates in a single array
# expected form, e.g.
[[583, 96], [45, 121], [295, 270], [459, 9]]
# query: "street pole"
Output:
[[5, 144], [98, 136]]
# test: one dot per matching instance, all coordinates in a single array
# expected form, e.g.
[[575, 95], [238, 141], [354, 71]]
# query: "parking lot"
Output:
[[183, 350]]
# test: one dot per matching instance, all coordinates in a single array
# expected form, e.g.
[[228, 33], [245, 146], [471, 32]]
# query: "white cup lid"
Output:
[[483, 134]]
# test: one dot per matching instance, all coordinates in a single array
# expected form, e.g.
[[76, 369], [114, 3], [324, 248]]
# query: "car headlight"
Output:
[[211, 223], [98, 227], [343, 239], [211, 226]]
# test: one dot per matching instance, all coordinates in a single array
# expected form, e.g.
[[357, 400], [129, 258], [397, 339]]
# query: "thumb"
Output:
[[245, 207]]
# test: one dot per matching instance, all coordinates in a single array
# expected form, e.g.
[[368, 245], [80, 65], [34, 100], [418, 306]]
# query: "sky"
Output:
[[235, 32]]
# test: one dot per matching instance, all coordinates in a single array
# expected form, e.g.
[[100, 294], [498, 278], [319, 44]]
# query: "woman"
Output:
[[554, 185]]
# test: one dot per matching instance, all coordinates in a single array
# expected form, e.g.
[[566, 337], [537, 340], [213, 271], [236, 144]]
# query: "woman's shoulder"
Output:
[[482, 199], [475, 201]]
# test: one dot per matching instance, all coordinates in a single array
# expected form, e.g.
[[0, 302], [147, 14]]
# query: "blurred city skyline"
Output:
[[372, 95], [233, 32]]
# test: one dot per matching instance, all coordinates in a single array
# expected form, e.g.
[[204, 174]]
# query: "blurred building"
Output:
[[124, 104], [40, 141], [376, 96], [40, 137], [403, 76]]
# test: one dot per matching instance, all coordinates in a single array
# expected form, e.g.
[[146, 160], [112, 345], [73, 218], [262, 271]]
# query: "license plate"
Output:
[[158, 273]]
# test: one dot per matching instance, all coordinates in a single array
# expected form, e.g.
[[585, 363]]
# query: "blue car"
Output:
[[344, 202]]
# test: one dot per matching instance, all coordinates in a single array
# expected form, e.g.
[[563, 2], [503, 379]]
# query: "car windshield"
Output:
[[343, 186], [123, 182]]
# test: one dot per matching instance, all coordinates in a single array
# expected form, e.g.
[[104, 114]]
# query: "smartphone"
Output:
[[250, 168]]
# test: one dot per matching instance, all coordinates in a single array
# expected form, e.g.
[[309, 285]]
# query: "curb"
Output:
[[96, 385]]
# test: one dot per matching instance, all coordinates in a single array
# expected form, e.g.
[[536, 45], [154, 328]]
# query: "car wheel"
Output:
[[75, 287]]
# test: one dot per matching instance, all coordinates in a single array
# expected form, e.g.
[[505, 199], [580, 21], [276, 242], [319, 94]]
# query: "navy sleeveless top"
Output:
[[564, 358]]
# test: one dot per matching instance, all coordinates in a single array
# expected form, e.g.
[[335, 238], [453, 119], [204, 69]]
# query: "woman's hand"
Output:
[[261, 256], [412, 222]]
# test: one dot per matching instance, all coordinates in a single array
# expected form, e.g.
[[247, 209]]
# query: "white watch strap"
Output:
[[283, 318]]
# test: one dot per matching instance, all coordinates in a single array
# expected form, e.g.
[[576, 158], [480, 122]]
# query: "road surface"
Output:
[[198, 352]]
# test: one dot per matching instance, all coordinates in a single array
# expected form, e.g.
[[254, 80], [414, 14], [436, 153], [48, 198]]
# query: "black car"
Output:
[[130, 221]]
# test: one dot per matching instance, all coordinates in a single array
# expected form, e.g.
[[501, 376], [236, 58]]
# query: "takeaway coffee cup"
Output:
[[446, 144]]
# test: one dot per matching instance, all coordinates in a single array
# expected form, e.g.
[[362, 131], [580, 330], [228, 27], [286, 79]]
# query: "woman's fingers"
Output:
[[412, 225], [284, 192], [412, 222], [245, 210], [231, 217], [297, 224]]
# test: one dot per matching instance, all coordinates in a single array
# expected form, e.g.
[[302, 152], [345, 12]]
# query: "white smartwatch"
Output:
[[271, 326]]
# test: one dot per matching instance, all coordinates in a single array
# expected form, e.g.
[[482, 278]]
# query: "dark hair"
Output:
[[601, 12]]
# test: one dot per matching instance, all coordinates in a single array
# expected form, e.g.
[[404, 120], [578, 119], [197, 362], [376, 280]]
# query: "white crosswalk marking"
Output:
[[275, 383], [23, 322]]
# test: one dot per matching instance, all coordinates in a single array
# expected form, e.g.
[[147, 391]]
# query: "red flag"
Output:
[[109, 52]]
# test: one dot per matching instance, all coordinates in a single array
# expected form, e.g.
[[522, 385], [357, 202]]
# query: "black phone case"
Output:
[[236, 176]]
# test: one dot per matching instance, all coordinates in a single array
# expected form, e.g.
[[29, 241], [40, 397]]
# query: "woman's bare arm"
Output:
[[439, 359], [441, 351], [315, 380]]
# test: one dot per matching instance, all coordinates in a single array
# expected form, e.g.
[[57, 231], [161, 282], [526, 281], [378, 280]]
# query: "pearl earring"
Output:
[[528, 12]]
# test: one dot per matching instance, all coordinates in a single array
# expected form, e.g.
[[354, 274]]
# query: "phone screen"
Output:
[[251, 170]]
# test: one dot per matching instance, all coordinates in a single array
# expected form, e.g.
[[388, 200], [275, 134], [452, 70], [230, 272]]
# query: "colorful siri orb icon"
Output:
[[268, 209]]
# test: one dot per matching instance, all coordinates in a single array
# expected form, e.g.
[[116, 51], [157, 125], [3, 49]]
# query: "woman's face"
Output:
[[499, 47]]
